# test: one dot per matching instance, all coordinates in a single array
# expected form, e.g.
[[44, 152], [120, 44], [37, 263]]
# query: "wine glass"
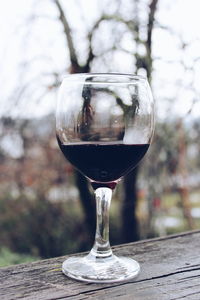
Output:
[[104, 126]]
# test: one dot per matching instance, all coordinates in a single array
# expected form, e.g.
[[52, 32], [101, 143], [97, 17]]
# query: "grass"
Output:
[[7, 257], [171, 207]]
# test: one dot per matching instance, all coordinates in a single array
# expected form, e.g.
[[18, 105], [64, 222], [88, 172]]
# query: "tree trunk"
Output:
[[88, 204], [129, 221], [183, 189]]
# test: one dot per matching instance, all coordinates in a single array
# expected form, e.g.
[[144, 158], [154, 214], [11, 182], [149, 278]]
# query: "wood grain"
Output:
[[170, 269]]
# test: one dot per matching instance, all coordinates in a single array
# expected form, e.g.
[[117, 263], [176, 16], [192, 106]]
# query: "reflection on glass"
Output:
[[104, 125]]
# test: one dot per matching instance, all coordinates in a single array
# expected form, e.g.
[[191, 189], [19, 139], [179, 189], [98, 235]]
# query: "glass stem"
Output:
[[101, 246]]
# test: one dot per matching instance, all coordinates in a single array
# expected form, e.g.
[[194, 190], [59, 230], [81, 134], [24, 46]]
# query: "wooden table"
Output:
[[170, 269]]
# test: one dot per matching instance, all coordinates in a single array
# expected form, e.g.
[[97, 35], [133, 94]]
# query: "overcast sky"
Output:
[[23, 40]]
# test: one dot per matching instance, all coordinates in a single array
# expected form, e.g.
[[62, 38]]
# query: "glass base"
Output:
[[101, 270]]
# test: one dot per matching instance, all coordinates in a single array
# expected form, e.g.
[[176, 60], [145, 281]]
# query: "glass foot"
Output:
[[100, 270]]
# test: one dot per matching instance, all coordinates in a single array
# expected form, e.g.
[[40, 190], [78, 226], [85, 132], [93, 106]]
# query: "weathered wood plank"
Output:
[[170, 269]]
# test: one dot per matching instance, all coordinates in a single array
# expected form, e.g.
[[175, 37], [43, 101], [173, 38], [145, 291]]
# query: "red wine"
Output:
[[103, 162]]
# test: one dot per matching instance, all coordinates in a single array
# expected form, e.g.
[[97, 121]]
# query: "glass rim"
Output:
[[96, 78]]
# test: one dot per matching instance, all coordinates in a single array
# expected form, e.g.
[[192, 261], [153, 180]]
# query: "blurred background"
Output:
[[46, 207]]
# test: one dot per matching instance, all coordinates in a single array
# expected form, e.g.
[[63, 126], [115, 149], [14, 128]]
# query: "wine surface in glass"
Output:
[[103, 162]]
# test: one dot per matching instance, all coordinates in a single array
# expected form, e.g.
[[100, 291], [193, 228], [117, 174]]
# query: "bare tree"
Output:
[[130, 229], [129, 220]]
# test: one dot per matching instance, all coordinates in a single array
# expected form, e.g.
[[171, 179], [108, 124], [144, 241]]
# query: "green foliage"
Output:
[[8, 257], [44, 229], [40, 227]]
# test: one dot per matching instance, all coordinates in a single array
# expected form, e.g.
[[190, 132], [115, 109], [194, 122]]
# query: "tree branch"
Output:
[[116, 18], [152, 7], [67, 31]]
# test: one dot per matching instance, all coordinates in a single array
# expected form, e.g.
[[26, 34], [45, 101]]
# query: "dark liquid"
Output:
[[104, 163]]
